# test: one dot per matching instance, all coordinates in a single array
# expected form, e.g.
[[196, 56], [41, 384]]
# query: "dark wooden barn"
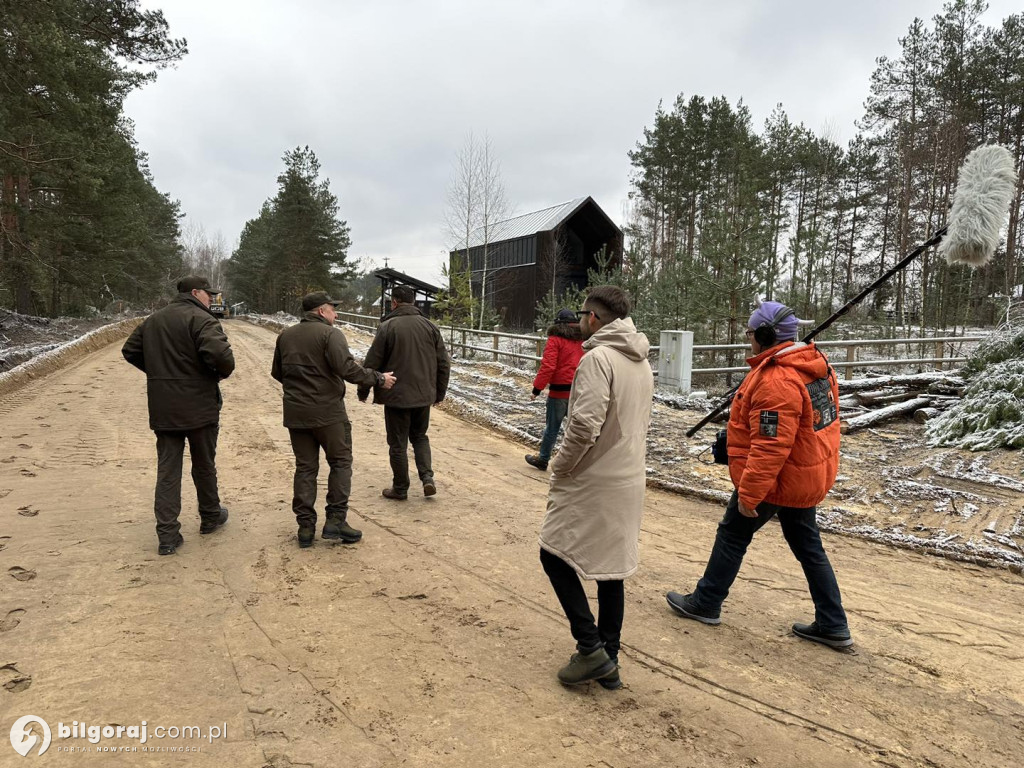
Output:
[[530, 254]]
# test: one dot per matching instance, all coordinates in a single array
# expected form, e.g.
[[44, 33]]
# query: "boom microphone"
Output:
[[981, 204], [982, 199]]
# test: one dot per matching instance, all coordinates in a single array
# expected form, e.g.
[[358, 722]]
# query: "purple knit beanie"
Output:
[[785, 329]]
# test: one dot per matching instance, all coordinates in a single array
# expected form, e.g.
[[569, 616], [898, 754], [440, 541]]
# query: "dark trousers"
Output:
[[170, 449], [555, 413], [611, 605], [800, 528], [404, 426], [336, 442]]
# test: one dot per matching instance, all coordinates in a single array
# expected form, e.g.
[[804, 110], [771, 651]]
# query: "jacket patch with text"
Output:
[[825, 411]]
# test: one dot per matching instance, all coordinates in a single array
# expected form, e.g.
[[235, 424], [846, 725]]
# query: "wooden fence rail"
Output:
[[469, 341]]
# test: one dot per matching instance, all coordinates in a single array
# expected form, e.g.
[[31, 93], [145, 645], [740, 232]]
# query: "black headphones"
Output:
[[765, 334]]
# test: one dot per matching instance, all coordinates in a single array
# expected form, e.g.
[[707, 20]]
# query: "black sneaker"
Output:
[[340, 530], [169, 549], [305, 537], [684, 605], [429, 489], [391, 493], [583, 667], [209, 526], [831, 639], [536, 461]]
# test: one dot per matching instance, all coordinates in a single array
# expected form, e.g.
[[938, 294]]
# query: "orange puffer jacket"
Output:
[[784, 428]]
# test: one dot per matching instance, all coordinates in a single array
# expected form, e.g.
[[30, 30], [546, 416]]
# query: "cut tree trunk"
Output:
[[883, 414], [884, 396], [915, 380]]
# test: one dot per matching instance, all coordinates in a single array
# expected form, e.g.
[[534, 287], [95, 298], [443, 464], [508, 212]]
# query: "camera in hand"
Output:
[[719, 449]]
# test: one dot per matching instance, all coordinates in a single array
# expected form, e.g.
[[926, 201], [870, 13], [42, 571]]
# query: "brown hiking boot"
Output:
[[391, 493], [536, 461]]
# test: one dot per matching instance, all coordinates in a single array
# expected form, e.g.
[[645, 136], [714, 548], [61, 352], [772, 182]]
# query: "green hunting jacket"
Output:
[[312, 361], [184, 353]]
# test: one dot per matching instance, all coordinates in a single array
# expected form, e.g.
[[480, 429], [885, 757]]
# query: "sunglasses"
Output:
[[581, 312]]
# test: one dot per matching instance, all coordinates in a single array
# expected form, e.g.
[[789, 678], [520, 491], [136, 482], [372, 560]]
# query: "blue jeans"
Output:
[[556, 412], [800, 528]]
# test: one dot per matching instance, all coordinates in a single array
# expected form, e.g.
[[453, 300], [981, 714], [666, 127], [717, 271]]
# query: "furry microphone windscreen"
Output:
[[980, 206]]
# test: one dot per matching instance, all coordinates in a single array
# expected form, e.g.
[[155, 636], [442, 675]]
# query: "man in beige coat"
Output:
[[596, 500]]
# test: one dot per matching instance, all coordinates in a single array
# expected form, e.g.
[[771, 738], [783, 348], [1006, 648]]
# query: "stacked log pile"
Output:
[[873, 401]]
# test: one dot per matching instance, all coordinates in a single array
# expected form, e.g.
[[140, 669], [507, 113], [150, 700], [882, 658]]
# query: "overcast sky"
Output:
[[386, 91]]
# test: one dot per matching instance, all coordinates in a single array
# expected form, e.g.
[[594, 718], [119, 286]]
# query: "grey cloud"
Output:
[[386, 92]]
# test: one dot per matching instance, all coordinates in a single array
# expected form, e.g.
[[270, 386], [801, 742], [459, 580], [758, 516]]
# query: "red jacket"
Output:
[[558, 366], [784, 428]]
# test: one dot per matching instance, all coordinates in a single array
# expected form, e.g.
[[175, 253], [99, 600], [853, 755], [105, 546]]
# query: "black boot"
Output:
[[337, 528], [612, 681], [169, 549], [209, 526], [586, 666]]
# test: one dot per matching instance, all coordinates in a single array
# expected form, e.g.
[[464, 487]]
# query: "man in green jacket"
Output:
[[312, 361], [410, 345], [184, 353]]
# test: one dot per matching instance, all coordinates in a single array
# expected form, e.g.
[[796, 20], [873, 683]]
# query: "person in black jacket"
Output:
[[184, 353], [411, 345], [312, 361]]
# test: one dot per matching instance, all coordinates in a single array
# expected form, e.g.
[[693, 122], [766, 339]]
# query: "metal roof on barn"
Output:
[[528, 224], [393, 276]]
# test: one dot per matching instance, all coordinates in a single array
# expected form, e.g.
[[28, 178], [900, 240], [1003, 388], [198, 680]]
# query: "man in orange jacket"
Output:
[[783, 444]]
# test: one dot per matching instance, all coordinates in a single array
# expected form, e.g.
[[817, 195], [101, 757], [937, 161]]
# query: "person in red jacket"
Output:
[[783, 445], [562, 354]]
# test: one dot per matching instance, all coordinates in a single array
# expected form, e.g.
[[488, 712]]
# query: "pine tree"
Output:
[[79, 215], [296, 245]]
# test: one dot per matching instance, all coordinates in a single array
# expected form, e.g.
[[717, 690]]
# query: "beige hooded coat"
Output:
[[599, 474]]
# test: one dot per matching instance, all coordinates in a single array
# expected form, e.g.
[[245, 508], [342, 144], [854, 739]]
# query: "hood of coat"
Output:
[[569, 331], [623, 337], [795, 354]]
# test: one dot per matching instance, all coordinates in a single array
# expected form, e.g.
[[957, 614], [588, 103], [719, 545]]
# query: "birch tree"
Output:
[[462, 201], [476, 204], [494, 209]]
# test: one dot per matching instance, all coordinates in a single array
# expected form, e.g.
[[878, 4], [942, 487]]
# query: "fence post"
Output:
[[540, 350], [851, 357], [939, 350], [496, 329], [675, 360], [463, 343]]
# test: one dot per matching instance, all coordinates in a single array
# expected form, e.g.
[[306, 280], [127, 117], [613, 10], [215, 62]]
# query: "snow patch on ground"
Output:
[[24, 337]]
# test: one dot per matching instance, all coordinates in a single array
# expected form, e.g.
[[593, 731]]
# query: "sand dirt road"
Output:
[[434, 642]]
